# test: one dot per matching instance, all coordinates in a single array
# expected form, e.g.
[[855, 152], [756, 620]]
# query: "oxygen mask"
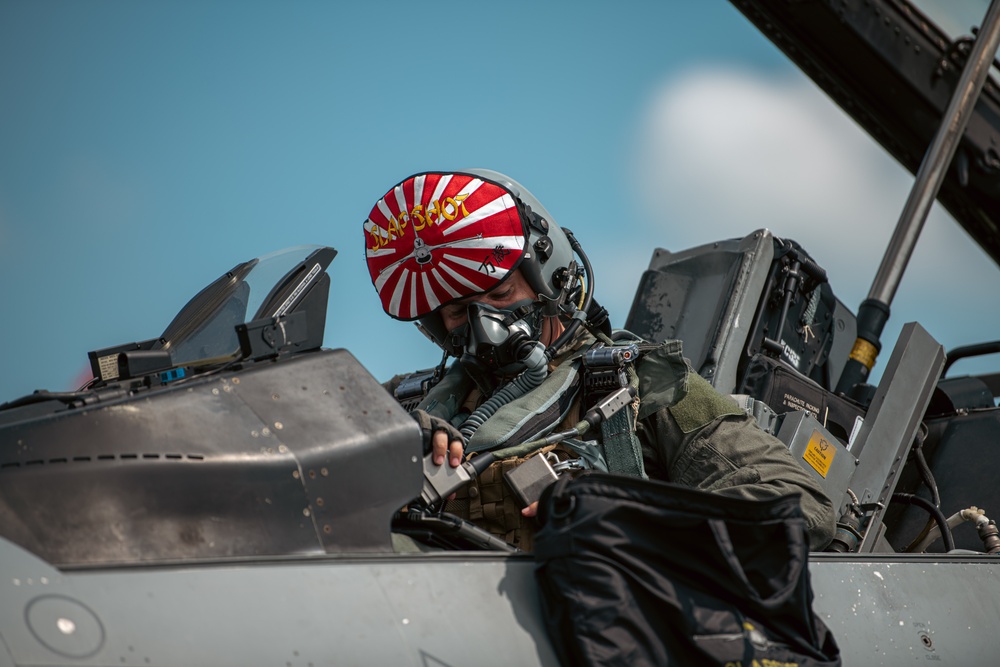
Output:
[[499, 343]]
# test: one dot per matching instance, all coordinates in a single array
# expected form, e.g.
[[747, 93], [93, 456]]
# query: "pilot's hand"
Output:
[[443, 444], [530, 510], [441, 439]]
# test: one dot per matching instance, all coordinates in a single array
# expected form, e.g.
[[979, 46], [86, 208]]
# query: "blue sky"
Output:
[[147, 147]]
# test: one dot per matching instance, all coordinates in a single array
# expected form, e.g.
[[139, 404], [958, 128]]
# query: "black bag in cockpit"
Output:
[[783, 390], [638, 572]]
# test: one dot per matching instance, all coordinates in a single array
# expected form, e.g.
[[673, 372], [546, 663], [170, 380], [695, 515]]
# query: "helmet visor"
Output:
[[437, 237]]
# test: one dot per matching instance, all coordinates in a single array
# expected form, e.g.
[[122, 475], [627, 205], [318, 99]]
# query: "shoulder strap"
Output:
[[620, 446], [532, 415], [622, 451]]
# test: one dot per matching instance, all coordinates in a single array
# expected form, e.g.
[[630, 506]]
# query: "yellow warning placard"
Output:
[[819, 453]]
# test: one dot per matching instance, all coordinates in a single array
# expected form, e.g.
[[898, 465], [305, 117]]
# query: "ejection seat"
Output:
[[756, 316], [724, 300]]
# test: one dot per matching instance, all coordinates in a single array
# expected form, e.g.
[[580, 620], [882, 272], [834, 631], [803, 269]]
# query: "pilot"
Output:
[[483, 269]]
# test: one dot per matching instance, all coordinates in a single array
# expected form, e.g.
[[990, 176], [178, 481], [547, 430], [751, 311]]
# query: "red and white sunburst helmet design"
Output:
[[441, 236]]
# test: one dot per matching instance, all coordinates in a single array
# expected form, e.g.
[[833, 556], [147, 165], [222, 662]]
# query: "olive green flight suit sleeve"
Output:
[[707, 442]]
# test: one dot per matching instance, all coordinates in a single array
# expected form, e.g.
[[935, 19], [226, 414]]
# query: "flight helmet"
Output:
[[438, 237]]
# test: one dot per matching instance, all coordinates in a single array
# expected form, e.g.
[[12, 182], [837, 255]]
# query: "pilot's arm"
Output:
[[707, 442]]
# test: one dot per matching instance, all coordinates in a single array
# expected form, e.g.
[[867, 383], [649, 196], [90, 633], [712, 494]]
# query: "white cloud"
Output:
[[728, 152], [722, 152]]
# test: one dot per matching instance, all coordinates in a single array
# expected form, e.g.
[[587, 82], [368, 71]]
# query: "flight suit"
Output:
[[689, 434]]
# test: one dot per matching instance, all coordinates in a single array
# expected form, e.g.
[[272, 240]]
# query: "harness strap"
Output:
[[621, 448]]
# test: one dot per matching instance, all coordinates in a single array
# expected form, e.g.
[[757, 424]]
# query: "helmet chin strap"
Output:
[[552, 328]]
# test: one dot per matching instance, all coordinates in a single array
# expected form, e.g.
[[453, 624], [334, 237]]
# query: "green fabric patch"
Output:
[[663, 376], [701, 405]]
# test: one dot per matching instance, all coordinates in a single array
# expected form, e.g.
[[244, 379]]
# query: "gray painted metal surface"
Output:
[[272, 459], [893, 419], [435, 609], [906, 610], [824, 457], [427, 609]]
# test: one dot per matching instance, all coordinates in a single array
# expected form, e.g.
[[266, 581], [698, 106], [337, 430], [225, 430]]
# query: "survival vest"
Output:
[[662, 378]]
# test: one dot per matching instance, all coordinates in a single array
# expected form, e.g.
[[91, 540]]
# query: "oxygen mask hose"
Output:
[[536, 370], [442, 480], [605, 409]]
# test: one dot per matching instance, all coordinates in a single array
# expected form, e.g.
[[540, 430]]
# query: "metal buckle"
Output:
[[569, 464]]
